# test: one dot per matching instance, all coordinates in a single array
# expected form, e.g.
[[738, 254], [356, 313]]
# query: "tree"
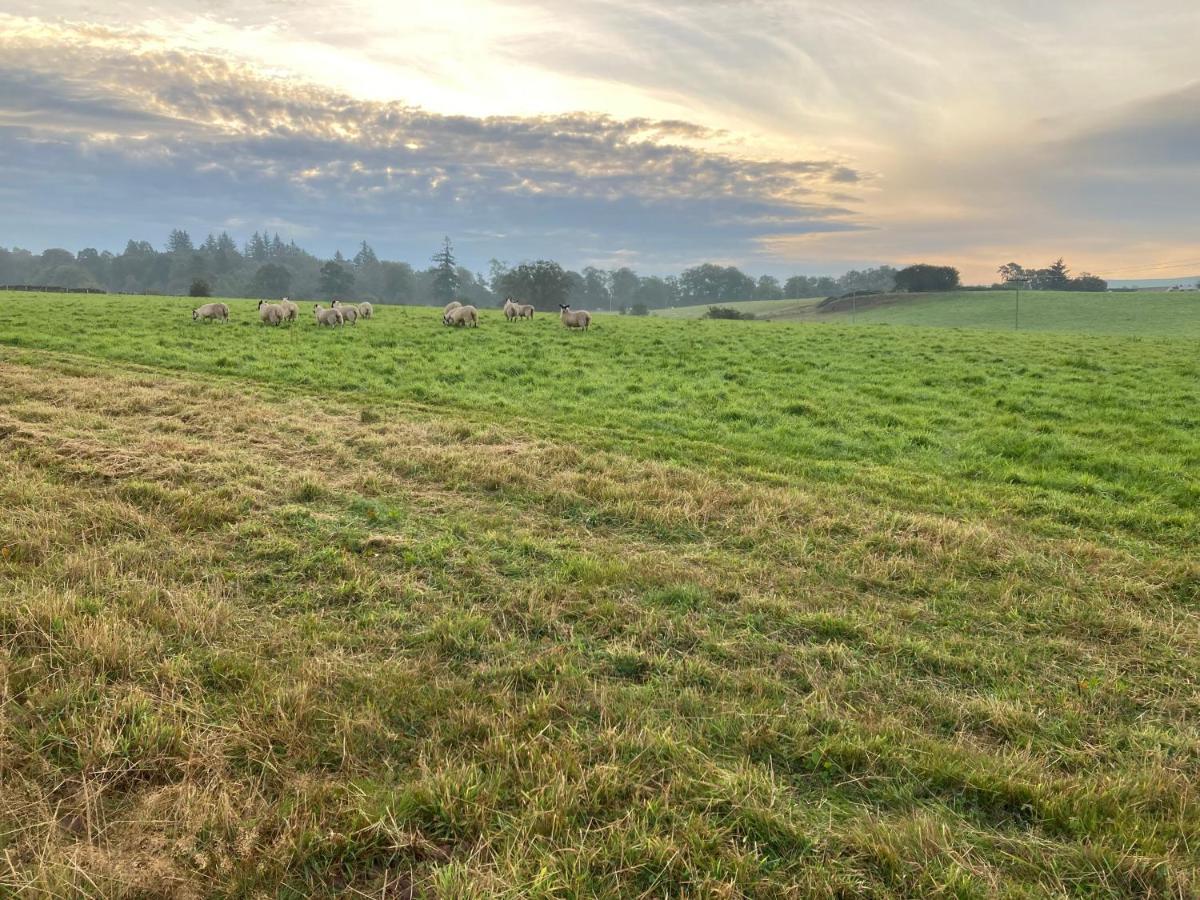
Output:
[[398, 283], [596, 293], [1014, 272], [365, 257], [656, 293], [445, 274], [200, 288], [336, 280], [799, 286], [1055, 277], [639, 309], [271, 280], [924, 277], [712, 282], [768, 288], [623, 283], [1087, 282], [179, 241], [542, 283]]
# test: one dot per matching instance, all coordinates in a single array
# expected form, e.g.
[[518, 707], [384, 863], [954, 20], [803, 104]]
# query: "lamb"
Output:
[[511, 308], [366, 310], [349, 313], [453, 304], [579, 319], [463, 315], [210, 311], [330, 317], [290, 310], [269, 313]]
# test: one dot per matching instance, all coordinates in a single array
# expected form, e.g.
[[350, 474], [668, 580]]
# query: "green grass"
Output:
[[664, 609], [1144, 313]]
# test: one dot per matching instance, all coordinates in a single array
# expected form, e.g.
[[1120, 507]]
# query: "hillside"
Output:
[[1133, 313], [669, 608]]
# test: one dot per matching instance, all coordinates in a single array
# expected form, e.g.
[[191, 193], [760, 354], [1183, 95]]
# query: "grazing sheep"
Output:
[[579, 319], [269, 313], [349, 313], [210, 311], [463, 315], [453, 304], [330, 317], [290, 310], [366, 311], [511, 308]]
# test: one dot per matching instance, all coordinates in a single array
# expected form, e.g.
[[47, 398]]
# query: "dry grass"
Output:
[[259, 644]]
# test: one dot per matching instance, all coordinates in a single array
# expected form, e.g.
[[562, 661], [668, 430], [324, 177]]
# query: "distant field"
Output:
[[1133, 313], [766, 309], [669, 608]]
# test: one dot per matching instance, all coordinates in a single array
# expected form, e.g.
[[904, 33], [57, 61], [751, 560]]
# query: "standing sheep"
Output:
[[269, 313], [463, 315], [525, 310], [366, 310], [290, 310], [511, 309], [453, 304], [349, 313], [329, 317], [580, 319], [210, 311]]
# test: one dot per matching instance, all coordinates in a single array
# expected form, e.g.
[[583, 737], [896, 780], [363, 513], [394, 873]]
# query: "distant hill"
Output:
[[1144, 312], [1149, 283]]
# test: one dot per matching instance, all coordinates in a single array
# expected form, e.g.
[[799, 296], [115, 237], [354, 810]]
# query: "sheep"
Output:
[[210, 311], [290, 310], [579, 319], [453, 304], [349, 313], [330, 317], [525, 310], [511, 308], [366, 311], [269, 313], [463, 315]]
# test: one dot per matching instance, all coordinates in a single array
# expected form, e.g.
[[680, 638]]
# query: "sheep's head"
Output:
[[563, 307], [195, 314]]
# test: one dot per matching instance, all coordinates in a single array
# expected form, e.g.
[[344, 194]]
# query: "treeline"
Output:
[[1054, 277], [267, 267]]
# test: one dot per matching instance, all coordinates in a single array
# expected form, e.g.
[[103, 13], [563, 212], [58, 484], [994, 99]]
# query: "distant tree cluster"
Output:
[[1055, 277], [923, 278], [264, 266], [726, 312]]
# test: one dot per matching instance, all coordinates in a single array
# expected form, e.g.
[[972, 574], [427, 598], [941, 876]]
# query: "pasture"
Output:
[[1136, 313], [669, 608]]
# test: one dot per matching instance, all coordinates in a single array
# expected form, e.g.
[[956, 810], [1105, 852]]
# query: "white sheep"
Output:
[[330, 317], [579, 319], [269, 313], [366, 310], [453, 304], [511, 308], [349, 313], [290, 310], [463, 315], [525, 310], [210, 311]]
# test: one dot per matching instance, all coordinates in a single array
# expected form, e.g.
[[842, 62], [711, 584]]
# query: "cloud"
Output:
[[161, 136]]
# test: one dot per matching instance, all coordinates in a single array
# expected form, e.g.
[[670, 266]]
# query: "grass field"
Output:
[[665, 609], [1147, 313]]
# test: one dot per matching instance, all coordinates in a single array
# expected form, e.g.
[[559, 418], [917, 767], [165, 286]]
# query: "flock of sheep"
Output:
[[339, 313]]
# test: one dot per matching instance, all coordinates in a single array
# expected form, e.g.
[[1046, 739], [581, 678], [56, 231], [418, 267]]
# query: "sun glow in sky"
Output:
[[783, 136]]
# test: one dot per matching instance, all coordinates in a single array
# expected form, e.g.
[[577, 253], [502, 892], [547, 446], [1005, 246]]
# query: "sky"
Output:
[[783, 136]]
